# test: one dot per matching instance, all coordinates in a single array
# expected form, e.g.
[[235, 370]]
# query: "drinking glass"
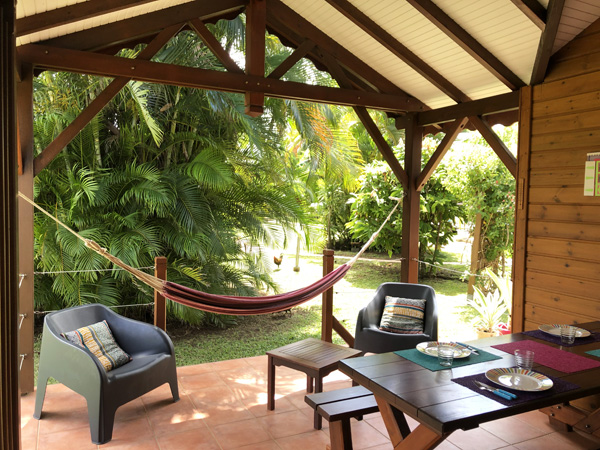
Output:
[[567, 335], [445, 355], [524, 359]]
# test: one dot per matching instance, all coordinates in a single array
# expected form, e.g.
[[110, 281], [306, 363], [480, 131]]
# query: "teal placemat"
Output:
[[594, 353], [431, 363]]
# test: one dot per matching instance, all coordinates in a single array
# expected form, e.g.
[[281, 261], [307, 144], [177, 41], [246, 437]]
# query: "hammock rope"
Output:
[[226, 304]]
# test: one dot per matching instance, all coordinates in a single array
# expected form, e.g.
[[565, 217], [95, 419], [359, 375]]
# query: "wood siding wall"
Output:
[[561, 233]]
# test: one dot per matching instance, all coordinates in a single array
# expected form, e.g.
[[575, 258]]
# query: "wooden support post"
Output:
[[10, 420], [475, 247], [327, 308], [256, 19], [26, 239], [411, 204], [160, 304]]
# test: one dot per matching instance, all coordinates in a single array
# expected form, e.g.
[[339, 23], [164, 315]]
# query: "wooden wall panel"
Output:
[[562, 256]]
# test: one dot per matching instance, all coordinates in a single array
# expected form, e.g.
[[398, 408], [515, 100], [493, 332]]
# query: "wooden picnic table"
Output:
[[442, 406]]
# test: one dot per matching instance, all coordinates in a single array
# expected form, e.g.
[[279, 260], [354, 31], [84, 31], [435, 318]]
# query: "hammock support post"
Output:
[[160, 303], [327, 302]]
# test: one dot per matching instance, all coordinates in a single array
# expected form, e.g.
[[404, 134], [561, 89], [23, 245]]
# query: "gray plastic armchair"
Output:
[[152, 364], [368, 336]]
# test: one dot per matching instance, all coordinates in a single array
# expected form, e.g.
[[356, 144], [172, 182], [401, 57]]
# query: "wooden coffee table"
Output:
[[314, 357]]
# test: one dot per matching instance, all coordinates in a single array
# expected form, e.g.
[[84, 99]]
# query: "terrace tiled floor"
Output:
[[223, 406]]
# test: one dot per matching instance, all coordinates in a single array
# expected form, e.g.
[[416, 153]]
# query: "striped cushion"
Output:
[[403, 315], [98, 339]]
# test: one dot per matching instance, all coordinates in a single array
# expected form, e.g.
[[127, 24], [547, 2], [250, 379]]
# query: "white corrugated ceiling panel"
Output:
[[97, 21]]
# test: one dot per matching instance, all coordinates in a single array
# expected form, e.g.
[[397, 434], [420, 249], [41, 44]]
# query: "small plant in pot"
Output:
[[491, 308]]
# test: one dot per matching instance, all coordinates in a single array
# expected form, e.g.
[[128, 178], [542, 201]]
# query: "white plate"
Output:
[[519, 379], [554, 329], [431, 348]]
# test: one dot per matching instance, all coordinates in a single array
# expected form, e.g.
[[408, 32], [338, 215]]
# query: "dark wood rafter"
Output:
[[393, 45], [469, 44], [214, 45], [26, 219], [533, 10], [154, 72], [73, 129], [521, 210], [409, 269], [496, 143], [284, 22], [384, 148], [542, 58], [140, 27], [72, 13], [303, 49], [451, 133], [256, 27], [490, 105], [9, 285]]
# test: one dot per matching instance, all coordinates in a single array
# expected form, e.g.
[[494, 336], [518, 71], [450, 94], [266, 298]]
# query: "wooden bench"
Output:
[[338, 407]]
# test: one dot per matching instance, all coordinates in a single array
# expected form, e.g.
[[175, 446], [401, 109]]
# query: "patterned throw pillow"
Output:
[[98, 339], [403, 315]]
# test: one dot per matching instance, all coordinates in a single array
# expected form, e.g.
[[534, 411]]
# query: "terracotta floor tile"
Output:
[[476, 439], [258, 361], [267, 445], [29, 442], [240, 434], [131, 410], [315, 439], [558, 441], [512, 430], [218, 414], [53, 421], [78, 438], [287, 424], [200, 381], [183, 418], [138, 444], [246, 375], [129, 431], [230, 364], [196, 439], [194, 370], [365, 436], [217, 394], [536, 419]]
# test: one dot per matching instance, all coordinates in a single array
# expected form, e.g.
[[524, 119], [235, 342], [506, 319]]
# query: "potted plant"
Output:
[[492, 307]]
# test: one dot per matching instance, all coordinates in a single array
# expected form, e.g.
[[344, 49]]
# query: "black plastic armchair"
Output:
[[370, 338], [152, 364]]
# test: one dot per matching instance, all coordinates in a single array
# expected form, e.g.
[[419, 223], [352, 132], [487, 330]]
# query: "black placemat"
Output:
[[522, 396], [539, 334]]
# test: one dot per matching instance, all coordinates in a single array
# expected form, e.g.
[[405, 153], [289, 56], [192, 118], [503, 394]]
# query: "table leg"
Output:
[[271, 384], [340, 435], [421, 438], [318, 420]]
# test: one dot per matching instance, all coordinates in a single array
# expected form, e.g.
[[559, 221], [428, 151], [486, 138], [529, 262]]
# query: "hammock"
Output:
[[227, 304]]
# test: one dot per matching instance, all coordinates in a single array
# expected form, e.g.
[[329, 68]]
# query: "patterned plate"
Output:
[[554, 329], [431, 349], [519, 379]]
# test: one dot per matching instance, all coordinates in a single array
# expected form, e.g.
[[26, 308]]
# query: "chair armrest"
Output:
[[139, 338]]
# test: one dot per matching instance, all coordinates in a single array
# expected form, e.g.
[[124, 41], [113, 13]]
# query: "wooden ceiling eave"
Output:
[[460, 36], [370, 27], [293, 28], [116, 34]]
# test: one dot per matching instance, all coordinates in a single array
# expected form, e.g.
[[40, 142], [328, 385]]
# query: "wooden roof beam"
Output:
[[533, 10], [300, 52], [72, 13], [484, 106], [256, 21], [496, 143], [393, 45], [369, 124], [451, 133], [282, 20], [469, 44], [214, 45], [542, 58], [46, 57], [127, 30], [73, 129]]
